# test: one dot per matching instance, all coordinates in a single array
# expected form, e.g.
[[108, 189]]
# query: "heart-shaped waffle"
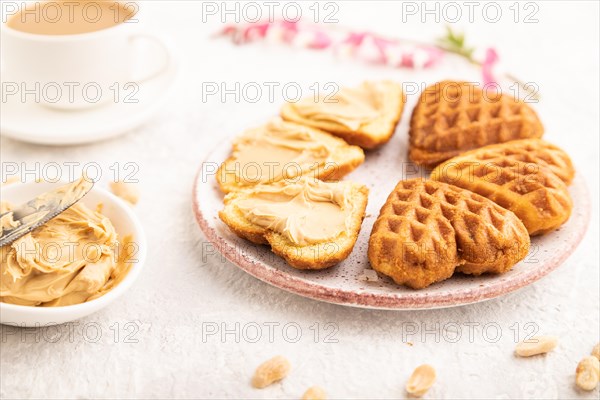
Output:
[[453, 117], [427, 230], [528, 177]]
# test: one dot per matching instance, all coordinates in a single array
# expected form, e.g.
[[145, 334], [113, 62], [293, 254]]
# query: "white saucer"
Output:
[[35, 123]]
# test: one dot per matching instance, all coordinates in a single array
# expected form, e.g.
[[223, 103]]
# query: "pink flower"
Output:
[[320, 41], [363, 45], [421, 57], [382, 45], [491, 58], [254, 32], [435, 55], [355, 39], [290, 30]]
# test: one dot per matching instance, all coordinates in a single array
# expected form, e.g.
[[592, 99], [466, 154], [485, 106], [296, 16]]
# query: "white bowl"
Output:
[[125, 223]]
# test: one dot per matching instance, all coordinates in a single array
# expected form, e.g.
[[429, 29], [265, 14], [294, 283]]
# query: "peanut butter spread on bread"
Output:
[[278, 150], [305, 212], [350, 107]]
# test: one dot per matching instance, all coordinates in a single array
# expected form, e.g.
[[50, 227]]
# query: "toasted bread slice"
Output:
[[285, 150], [365, 116], [310, 223]]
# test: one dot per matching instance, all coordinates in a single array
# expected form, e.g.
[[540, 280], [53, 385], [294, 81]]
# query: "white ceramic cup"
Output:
[[76, 71]]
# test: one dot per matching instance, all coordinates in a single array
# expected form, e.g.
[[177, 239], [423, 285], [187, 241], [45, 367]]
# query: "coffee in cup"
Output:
[[75, 54], [68, 17]]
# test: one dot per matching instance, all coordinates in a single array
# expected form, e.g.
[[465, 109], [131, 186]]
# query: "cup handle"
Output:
[[166, 56]]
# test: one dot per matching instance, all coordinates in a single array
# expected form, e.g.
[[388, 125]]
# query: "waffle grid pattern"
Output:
[[417, 209], [453, 117], [427, 229], [531, 151], [538, 196]]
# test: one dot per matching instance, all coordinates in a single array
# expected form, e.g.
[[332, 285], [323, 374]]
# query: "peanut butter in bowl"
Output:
[[74, 258]]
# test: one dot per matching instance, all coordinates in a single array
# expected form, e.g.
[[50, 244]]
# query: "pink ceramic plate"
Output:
[[340, 284]]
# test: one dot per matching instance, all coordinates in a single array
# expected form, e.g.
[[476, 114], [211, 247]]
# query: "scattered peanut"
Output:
[[314, 393], [126, 191], [270, 371], [368, 275], [421, 380], [596, 351], [536, 345], [10, 180], [587, 373]]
